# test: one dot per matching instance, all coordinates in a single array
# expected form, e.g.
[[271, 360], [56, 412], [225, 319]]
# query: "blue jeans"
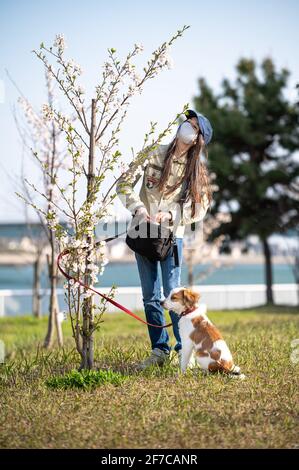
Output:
[[151, 293]]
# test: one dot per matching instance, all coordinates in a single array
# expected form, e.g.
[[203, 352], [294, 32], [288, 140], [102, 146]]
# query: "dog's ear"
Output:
[[190, 297]]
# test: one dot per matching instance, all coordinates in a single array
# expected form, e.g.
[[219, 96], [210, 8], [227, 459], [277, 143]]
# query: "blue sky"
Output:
[[220, 33]]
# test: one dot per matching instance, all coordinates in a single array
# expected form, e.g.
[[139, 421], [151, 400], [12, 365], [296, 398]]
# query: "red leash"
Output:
[[66, 252]]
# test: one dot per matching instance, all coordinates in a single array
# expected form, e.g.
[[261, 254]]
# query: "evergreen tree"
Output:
[[256, 134]]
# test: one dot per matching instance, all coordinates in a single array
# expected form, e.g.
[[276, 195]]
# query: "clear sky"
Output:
[[220, 33]]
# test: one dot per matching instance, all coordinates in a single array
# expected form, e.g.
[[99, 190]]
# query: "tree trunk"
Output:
[[52, 267], [87, 354], [56, 312], [36, 297], [53, 321], [268, 272]]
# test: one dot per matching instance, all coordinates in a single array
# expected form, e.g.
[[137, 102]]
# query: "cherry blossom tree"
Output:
[[92, 158]]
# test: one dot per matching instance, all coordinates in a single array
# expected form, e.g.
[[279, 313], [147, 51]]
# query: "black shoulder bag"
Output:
[[152, 241]]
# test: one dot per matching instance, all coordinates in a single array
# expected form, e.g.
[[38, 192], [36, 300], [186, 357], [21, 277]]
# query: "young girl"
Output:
[[175, 191]]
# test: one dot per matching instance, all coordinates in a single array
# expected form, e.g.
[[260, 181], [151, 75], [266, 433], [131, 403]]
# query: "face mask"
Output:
[[186, 133]]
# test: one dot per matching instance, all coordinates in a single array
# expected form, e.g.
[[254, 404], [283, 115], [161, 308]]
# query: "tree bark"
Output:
[[87, 355], [53, 321], [56, 312], [52, 268], [268, 272], [49, 339]]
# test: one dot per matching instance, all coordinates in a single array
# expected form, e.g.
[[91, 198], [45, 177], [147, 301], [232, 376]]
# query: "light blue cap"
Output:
[[204, 124]]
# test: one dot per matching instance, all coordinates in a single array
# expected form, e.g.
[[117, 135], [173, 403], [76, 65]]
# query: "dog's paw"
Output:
[[237, 376], [236, 370]]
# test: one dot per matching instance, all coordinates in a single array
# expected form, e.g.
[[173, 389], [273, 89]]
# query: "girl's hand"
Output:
[[143, 214], [162, 217]]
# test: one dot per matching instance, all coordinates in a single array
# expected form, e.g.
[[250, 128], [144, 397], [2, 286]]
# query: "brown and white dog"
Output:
[[199, 335]]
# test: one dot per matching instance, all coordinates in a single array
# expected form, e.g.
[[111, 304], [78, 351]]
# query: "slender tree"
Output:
[[41, 139], [92, 145], [38, 240]]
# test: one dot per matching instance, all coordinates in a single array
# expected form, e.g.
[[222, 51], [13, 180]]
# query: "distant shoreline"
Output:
[[27, 259]]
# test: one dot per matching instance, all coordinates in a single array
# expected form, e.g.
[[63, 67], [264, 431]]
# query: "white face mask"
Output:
[[187, 133]]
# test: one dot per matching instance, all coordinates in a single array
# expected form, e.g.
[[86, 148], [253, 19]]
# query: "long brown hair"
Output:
[[195, 181]]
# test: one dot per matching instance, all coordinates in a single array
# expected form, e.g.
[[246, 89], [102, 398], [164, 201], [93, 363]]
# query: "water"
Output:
[[126, 274]]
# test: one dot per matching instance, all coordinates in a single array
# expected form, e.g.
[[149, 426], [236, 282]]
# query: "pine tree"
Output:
[[256, 134]]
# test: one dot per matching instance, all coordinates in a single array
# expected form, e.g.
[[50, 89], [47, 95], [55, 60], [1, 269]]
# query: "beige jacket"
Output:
[[152, 199]]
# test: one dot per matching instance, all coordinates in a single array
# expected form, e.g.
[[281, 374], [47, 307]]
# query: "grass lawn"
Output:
[[156, 408]]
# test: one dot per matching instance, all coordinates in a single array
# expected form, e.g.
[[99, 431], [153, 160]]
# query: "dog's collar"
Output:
[[189, 310]]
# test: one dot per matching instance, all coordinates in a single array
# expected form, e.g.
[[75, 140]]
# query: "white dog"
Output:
[[199, 335]]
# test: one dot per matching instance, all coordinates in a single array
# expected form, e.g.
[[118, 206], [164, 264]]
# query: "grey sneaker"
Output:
[[157, 358]]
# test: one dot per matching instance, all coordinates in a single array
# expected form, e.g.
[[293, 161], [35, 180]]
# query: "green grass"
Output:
[[157, 408], [86, 379]]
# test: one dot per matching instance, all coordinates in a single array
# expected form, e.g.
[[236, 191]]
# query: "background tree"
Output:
[[291, 253], [252, 153], [33, 254], [41, 139], [198, 251]]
